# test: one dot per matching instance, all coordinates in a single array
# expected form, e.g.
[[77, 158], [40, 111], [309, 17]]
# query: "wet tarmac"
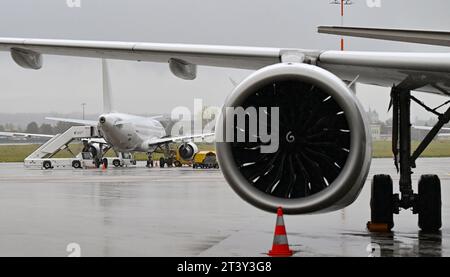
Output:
[[186, 212]]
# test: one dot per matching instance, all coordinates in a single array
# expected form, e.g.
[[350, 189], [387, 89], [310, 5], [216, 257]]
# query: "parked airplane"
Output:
[[129, 133], [324, 151]]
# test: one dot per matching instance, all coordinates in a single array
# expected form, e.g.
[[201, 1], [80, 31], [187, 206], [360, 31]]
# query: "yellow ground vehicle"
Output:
[[205, 159], [178, 161]]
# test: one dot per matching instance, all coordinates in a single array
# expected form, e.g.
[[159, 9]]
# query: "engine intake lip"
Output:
[[346, 186], [186, 152]]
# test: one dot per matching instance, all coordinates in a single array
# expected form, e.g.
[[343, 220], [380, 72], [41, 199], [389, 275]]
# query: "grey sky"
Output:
[[64, 83]]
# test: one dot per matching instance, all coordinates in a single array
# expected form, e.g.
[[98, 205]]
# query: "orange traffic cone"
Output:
[[280, 247]]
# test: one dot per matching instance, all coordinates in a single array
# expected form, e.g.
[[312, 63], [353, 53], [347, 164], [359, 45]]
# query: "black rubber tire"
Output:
[[116, 163], [429, 203], [381, 201], [162, 162], [76, 164], [178, 164], [169, 162], [47, 165]]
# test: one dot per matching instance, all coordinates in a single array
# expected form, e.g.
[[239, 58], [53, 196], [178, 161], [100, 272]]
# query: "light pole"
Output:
[[342, 3], [83, 106]]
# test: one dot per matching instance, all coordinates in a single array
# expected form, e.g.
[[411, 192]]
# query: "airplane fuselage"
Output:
[[129, 133]]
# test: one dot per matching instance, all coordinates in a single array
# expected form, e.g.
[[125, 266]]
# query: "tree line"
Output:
[[35, 128]]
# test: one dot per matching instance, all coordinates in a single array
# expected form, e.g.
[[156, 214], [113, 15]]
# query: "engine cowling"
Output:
[[324, 151], [188, 150]]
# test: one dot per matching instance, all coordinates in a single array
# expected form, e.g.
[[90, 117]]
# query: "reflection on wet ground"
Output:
[[393, 245], [183, 212]]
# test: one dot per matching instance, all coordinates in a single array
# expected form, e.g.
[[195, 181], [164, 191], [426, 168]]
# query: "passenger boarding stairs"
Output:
[[60, 142]]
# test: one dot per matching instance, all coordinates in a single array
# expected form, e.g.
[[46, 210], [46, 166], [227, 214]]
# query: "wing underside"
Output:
[[75, 121], [427, 72], [179, 138], [24, 135]]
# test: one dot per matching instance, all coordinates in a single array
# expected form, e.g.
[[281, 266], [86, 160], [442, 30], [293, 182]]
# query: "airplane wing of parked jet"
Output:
[[25, 135], [179, 139], [377, 68], [76, 121]]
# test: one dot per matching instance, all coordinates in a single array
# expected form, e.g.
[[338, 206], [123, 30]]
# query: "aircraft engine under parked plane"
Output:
[[324, 150]]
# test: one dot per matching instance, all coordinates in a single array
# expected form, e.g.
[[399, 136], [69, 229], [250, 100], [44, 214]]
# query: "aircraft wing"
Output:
[[24, 135], [428, 71], [427, 128], [441, 38], [76, 121], [178, 139]]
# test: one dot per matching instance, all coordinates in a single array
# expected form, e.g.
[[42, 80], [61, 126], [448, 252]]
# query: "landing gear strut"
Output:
[[427, 203], [168, 156]]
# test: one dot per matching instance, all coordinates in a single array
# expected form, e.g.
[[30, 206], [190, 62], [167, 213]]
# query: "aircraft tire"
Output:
[[381, 202], [429, 203]]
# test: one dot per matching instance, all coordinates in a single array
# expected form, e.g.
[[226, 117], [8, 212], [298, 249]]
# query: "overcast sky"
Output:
[[64, 83]]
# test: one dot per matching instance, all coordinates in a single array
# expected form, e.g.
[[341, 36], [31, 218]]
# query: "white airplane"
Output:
[[324, 151], [129, 133]]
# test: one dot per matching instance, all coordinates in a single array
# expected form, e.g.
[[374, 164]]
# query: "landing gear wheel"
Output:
[[169, 162], [429, 203], [178, 164], [381, 202], [76, 164], [116, 163], [162, 162]]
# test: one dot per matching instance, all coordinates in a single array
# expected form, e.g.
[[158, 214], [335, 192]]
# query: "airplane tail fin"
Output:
[[107, 101]]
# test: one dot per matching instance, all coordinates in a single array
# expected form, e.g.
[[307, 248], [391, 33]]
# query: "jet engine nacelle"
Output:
[[187, 151], [324, 144]]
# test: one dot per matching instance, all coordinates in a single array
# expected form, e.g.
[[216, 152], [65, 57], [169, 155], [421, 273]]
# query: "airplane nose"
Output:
[[102, 120]]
